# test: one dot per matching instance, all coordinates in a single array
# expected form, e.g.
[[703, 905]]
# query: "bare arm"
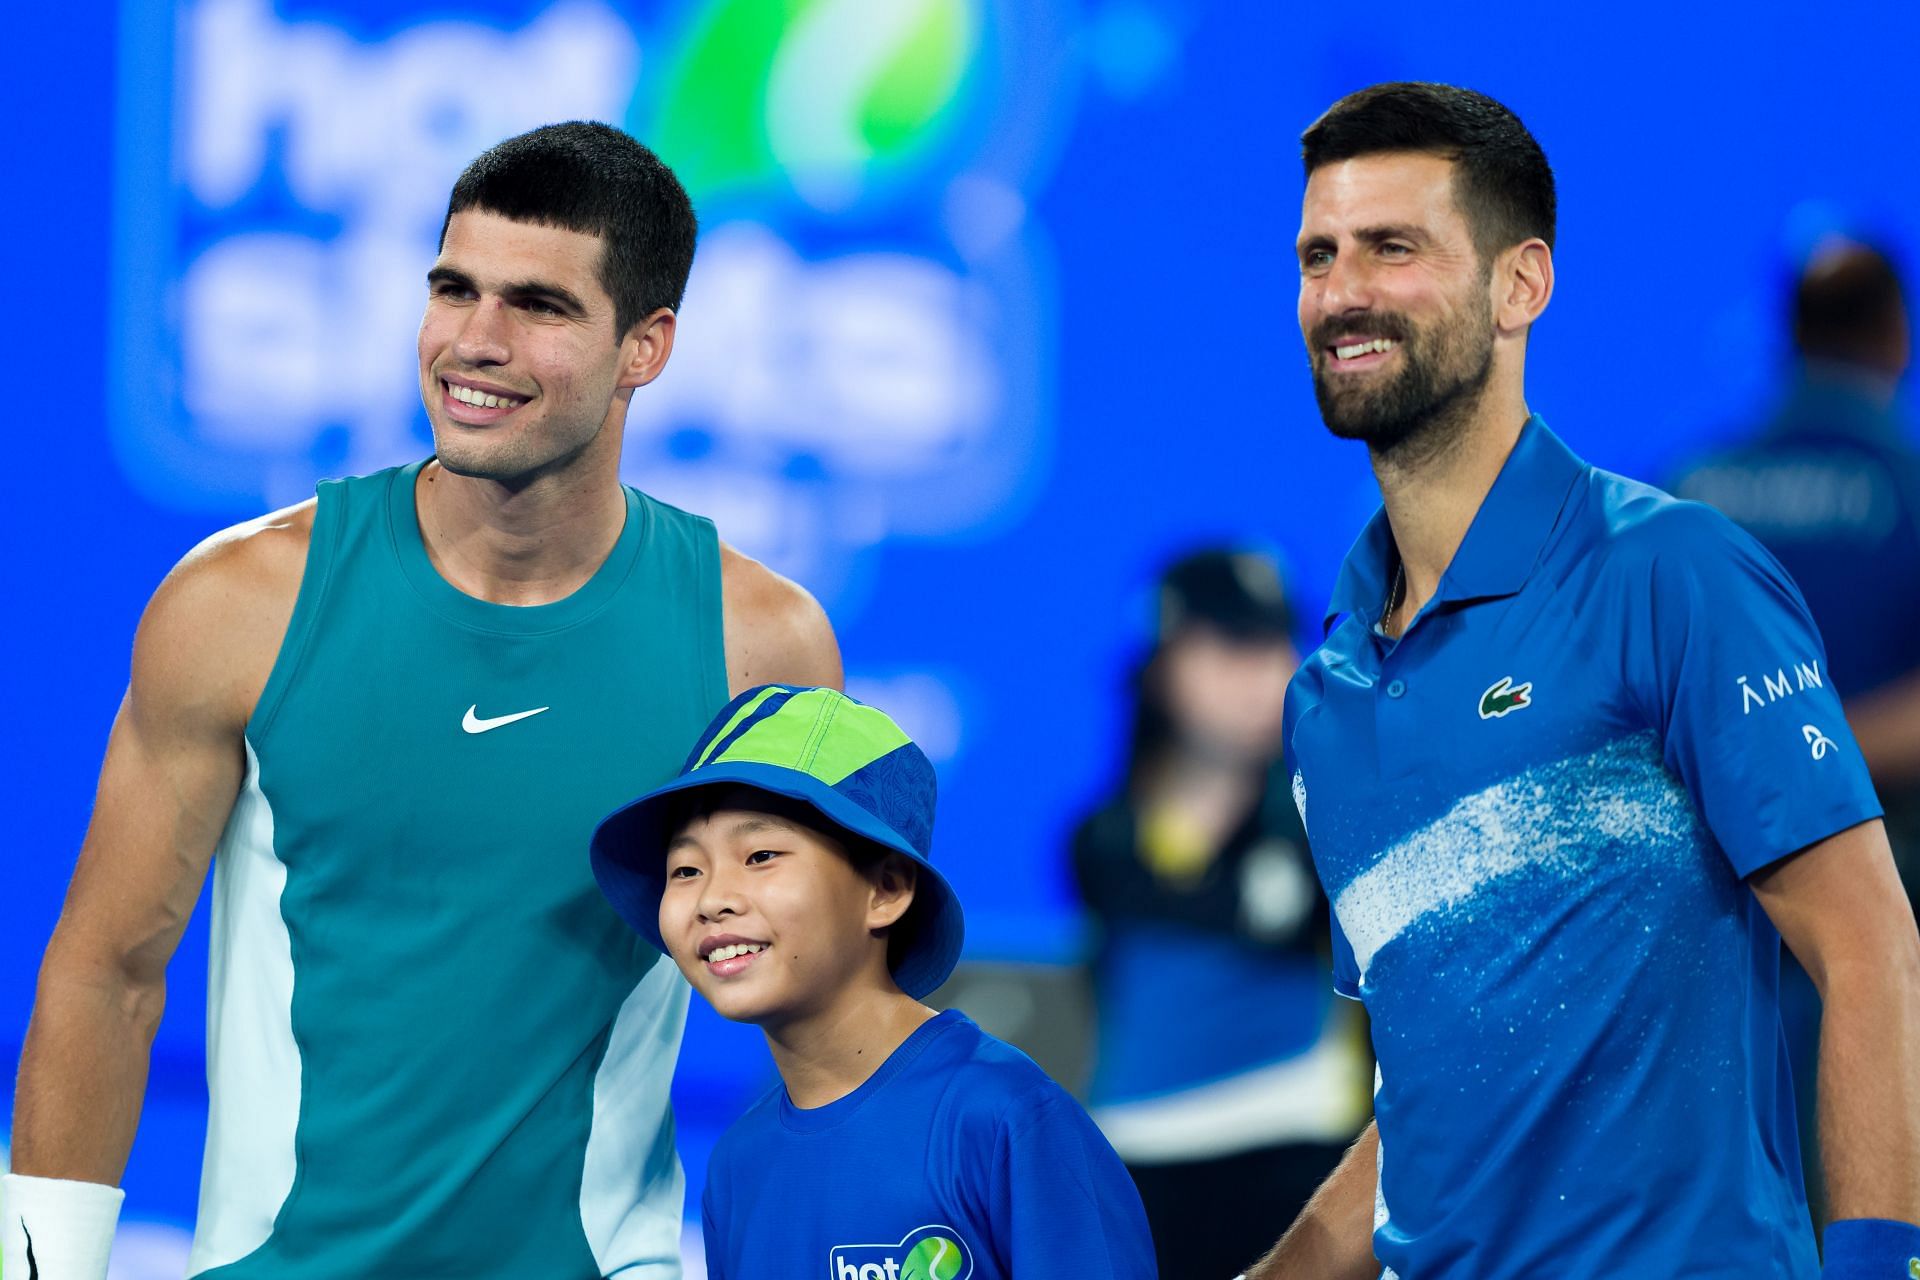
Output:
[[173, 768], [776, 632], [1839, 906], [1332, 1239]]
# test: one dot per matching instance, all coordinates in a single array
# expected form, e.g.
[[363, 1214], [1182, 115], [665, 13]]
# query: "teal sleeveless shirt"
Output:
[[433, 1049]]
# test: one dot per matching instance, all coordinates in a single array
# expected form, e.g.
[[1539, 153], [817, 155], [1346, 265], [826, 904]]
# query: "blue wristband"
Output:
[[1871, 1249]]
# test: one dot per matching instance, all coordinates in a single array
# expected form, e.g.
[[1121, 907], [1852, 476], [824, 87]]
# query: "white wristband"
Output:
[[57, 1229]]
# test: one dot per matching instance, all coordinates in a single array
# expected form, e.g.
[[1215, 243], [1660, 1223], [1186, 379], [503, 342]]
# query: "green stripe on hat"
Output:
[[746, 709], [782, 736], [795, 737], [846, 754]]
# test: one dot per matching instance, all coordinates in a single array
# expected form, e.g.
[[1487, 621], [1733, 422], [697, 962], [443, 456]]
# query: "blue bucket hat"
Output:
[[848, 761]]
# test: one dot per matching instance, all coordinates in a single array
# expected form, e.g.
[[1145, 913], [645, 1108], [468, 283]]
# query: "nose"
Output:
[[482, 339], [719, 895], [1346, 285]]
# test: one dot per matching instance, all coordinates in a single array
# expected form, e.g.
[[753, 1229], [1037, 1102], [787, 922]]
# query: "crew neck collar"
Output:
[[818, 1119], [485, 615]]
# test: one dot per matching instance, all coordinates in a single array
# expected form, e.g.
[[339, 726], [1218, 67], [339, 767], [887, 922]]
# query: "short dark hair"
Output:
[[594, 179], [1502, 181], [1846, 302]]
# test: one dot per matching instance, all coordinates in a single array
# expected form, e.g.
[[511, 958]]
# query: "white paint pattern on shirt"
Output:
[[1556, 816]]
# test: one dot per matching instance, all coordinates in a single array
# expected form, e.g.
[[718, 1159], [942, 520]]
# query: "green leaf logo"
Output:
[[823, 95], [934, 1258]]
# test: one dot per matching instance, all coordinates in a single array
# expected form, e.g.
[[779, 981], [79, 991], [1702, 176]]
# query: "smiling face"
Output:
[[770, 919], [1395, 303], [520, 368]]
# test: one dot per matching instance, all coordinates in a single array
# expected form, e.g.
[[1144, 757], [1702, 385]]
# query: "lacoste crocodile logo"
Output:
[[1505, 696]]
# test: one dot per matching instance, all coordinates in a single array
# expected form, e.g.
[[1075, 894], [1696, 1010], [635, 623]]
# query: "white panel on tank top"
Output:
[[253, 1064], [632, 1187]]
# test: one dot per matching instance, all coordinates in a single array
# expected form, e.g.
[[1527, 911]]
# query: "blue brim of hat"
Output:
[[630, 861]]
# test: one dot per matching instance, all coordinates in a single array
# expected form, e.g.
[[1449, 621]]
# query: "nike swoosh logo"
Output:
[[474, 724], [33, 1268]]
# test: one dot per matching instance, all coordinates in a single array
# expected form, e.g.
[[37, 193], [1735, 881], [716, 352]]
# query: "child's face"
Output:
[[770, 920]]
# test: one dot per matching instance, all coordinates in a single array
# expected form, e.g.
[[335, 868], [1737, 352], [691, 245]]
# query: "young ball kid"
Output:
[[786, 871]]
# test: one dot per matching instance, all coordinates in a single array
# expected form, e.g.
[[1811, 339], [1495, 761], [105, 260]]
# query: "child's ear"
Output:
[[893, 881]]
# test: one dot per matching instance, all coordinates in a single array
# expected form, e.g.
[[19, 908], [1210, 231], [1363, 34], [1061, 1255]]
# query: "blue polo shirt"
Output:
[[1533, 814]]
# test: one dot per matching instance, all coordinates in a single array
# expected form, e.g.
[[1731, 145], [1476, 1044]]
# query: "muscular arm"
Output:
[[775, 632], [1839, 906], [173, 768], [1332, 1239]]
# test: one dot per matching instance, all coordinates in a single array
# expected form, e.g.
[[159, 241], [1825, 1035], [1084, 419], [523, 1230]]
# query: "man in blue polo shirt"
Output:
[[1572, 766]]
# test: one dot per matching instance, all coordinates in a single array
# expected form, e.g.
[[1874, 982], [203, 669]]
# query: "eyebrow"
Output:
[[514, 290], [1392, 231], [752, 824], [1370, 235]]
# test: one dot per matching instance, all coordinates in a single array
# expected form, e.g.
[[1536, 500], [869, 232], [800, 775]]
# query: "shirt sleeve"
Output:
[[1063, 1204], [1727, 664]]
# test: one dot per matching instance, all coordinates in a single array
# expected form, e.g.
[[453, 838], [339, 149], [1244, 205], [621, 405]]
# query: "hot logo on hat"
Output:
[[926, 1253]]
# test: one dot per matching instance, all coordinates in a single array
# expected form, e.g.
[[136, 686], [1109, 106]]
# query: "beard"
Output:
[[1445, 366]]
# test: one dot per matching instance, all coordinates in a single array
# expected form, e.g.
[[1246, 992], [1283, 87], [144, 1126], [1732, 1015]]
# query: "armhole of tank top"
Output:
[[713, 615], [328, 518]]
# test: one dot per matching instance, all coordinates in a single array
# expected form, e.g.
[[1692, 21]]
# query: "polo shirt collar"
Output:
[[1361, 588], [1502, 545]]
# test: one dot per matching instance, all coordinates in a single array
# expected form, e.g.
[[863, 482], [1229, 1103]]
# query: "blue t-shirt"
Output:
[[1533, 814], [959, 1159]]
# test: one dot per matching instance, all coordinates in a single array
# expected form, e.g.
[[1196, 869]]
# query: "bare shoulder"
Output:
[[174, 759], [776, 632], [211, 631]]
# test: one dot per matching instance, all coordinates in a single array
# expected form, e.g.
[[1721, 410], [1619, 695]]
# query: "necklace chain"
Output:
[[1393, 597]]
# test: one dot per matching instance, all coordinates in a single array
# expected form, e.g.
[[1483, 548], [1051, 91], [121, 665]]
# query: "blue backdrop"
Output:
[[994, 308]]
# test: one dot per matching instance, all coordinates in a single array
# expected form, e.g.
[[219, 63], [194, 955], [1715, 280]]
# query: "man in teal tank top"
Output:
[[397, 711]]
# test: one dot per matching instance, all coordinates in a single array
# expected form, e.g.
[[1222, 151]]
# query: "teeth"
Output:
[[737, 949], [1363, 348], [467, 395]]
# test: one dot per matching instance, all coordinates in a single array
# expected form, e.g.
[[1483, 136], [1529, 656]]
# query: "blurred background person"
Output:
[[1830, 484], [1224, 1074]]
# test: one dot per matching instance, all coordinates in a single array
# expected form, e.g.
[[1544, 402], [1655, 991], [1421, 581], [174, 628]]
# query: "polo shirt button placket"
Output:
[[1397, 737]]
